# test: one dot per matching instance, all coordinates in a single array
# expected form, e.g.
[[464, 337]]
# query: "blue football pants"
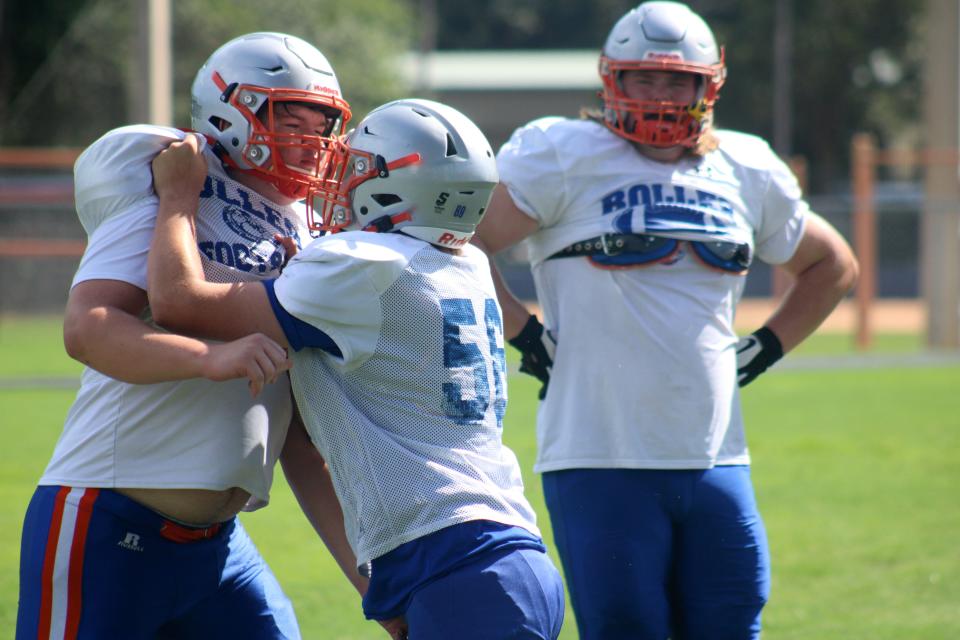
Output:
[[514, 594], [94, 565], [657, 554]]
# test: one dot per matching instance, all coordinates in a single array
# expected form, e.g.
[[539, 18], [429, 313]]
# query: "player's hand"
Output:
[[396, 627], [537, 348], [255, 357], [755, 353], [289, 246], [179, 171]]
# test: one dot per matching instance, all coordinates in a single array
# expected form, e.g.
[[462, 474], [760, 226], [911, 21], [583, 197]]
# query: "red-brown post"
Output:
[[864, 160]]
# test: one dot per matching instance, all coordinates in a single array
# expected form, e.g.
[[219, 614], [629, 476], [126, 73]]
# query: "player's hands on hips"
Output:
[[755, 353], [537, 348], [255, 357], [179, 172]]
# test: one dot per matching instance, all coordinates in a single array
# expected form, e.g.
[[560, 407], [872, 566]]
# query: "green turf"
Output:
[[842, 343], [856, 471], [857, 477], [31, 421], [32, 347]]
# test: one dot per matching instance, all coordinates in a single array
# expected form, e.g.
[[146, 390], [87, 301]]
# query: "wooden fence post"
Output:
[[864, 159]]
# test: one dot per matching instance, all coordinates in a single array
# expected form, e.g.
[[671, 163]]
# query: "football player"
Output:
[[132, 532], [641, 222], [398, 368]]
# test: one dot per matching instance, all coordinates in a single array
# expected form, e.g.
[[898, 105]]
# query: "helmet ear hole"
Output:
[[385, 199], [451, 146], [220, 124]]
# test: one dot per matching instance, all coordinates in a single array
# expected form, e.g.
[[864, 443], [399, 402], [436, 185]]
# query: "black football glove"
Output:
[[755, 353], [537, 348]]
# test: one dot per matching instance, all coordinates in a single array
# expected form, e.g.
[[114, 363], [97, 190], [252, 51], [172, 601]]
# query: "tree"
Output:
[[532, 24], [67, 80], [64, 73], [29, 33], [855, 66]]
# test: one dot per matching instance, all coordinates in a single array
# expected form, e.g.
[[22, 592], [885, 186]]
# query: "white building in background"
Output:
[[501, 90]]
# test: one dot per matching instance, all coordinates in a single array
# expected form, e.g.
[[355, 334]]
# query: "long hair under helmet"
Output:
[[236, 94], [661, 36], [416, 166]]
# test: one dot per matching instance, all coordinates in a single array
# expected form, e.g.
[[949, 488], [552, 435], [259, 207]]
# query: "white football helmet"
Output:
[[235, 95], [661, 36], [415, 165]]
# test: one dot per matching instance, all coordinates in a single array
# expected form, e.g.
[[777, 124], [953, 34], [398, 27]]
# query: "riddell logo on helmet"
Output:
[[664, 56], [320, 89], [450, 240]]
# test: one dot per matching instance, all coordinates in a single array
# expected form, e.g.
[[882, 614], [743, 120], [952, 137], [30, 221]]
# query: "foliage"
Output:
[[82, 87], [360, 38], [66, 75], [854, 69], [534, 24]]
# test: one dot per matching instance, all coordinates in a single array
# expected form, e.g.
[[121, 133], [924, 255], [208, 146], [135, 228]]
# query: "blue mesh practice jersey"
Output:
[[409, 419]]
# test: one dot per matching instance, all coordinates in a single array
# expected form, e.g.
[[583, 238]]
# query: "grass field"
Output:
[[857, 473]]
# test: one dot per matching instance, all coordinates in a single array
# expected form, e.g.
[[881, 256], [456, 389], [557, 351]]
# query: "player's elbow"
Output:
[[170, 311], [73, 341], [846, 270], [851, 277], [80, 331]]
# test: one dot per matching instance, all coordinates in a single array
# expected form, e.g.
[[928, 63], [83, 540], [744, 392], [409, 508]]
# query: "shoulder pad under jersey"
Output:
[[113, 174]]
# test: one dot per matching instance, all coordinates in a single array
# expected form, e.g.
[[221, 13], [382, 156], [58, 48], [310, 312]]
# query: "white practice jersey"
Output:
[[409, 419], [645, 368], [194, 434]]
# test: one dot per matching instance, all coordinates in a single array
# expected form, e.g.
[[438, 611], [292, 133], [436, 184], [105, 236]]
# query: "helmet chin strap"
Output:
[[387, 223]]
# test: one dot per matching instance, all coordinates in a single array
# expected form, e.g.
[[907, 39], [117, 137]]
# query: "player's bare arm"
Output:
[[824, 271], [180, 297], [103, 330], [309, 478], [503, 226]]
